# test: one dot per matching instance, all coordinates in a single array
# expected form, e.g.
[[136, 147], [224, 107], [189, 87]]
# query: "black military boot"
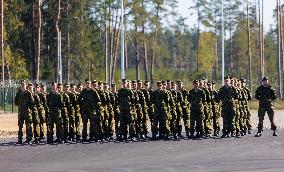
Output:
[[20, 142], [275, 134], [258, 134]]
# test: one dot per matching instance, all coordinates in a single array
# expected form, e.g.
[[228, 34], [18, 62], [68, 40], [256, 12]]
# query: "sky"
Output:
[[268, 20]]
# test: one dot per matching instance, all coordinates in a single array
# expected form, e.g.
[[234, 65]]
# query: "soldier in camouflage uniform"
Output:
[[22, 100], [35, 116], [90, 104], [41, 111], [71, 111], [266, 95], [207, 108], [216, 111], [247, 115], [161, 118], [148, 107], [104, 110], [43, 99], [113, 99], [237, 102], [55, 104], [228, 95], [64, 111], [142, 108], [170, 87], [196, 98], [76, 91], [125, 99], [110, 112]]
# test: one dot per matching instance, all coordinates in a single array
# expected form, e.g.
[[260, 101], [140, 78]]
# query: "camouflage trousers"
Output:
[[207, 118], [247, 117], [71, 123], [186, 118], [216, 114], [42, 120], [261, 113], [25, 118], [196, 120], [36, 125], [77, 125], [65, 124], [142, 120]]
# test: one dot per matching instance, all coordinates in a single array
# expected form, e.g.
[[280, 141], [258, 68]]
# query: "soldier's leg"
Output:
[[92, 126], [85, 126], [155, 126], [145, 121], [59, 129], [110, 123], [72, 127], [236, 122], [20, 127], [270, 112], [261, 114], [77, 126], [66, 126], [186, 121], [199, 123], [192, 122], [50, 129], [225, 122]]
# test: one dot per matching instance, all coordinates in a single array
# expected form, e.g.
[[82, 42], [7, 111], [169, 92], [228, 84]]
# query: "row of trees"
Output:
[[159, 44]]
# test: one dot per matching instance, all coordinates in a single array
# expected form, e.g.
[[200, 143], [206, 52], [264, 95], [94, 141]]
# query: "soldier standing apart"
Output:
[[24, 113], [266, 96]]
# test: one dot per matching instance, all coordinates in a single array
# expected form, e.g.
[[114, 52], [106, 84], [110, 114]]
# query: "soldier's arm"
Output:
[[16, 99], [257, 94], [273, 94]]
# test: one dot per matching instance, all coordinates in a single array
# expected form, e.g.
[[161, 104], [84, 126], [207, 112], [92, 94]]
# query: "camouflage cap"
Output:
[[94, 81], [100, 82], [22, 81], [178, 81], [159, 83], [146, 82], [123, 80], [112, 85], [66, 85], [227, 77], [168, 81], [30, 84], [53, 83], [243, 80], [105, 83], [87, 81]]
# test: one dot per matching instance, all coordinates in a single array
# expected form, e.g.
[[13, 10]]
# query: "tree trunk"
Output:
[[106, 43], [249, 47], [38, 39], [33, 44], [2, 41], [58, 39], [145, 55]]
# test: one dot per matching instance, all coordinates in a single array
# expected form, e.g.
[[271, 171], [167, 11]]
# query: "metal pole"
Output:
[[122, 41], [60, 59], [2, 42], [223, 45]]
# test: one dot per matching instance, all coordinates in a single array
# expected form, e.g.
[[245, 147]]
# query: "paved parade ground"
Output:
[[231, 154]]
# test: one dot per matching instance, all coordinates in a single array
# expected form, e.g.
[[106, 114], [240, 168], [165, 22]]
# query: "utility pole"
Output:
[[122, 34], [223, 44], [249, 48], [2, 43], [279, 49]]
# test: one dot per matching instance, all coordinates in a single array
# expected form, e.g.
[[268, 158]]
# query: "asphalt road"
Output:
[[231, 154]]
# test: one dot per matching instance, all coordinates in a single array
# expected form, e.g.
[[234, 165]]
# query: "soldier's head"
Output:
[[87, 84], [164, 83], [94, 84], [195, 83], [265, 81], [243, 82], [213, 85], [73, 87], [54, 86], [100, 85], [139, 85], [123, 83], [105, 86], [129, 84], [173, 86], [66, 88], [209, 85], [159, 85], [168, 85], [79, 88], [134, 85], [113, 87], [227, 80], [37, 88], [59, 88], [23, 85], [179, 84], [43, 88], [147, 85], [30, 87]]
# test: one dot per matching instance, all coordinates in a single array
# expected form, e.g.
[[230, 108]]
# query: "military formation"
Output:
[[96, 111]]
